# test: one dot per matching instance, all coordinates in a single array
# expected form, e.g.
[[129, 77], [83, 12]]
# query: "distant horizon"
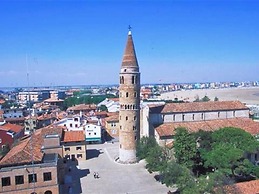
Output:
[[82, 42], [107, 85]]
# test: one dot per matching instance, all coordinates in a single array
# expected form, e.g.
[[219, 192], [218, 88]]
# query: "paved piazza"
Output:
[[114, 178]]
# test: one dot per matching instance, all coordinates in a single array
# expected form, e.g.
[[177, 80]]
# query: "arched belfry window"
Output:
[[121, 79], [127, 94], [133, 80]]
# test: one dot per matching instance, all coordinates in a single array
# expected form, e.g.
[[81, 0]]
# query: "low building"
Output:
[[9, 133], [112, 104], [13, 113], [74, 145], [31, 168], [93, 132], [165, 132], [83, 108], [112, 126]]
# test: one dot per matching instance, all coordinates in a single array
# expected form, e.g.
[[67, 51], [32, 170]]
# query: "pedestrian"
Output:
[[97, 175], [94, 174]]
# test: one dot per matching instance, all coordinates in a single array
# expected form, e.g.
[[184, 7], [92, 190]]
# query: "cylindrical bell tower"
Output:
[[129, 116]]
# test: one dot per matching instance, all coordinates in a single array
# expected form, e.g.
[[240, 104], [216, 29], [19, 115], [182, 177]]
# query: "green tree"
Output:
[[155, 160], [205, 99], [184, 147], [216, 98], [227, 153], [144, 146], [236, 137]]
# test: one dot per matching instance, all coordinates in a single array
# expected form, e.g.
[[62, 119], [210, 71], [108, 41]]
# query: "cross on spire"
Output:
[[129, 33]]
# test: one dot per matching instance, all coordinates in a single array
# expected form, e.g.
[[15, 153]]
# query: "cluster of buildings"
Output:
[[43, 139]]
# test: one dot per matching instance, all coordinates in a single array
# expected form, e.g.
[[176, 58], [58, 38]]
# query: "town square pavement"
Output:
[[114, 178]]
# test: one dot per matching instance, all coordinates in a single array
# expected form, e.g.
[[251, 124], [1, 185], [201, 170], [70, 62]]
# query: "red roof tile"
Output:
[[82, 107], [203, 106], [112, 118], [73, 136], [13, 127], [250, 126], [22, 153]]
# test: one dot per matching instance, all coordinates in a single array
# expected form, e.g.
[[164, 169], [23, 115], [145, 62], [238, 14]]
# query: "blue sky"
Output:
[[82, 42]]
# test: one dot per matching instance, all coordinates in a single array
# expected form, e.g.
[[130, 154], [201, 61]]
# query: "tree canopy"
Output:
[[184, 147]]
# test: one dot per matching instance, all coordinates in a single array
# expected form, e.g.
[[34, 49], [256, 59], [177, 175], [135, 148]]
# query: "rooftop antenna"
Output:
[[31, 128]]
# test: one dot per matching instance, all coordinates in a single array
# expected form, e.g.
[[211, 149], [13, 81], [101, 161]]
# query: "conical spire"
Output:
[[129, 57]]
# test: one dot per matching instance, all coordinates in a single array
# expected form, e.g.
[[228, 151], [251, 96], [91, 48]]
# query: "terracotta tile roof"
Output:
[[82, 107], [21, 153], [248, 187], [203, 106], [73, 136], [112, 118], [46, 117], [62, 115], [12, 127], [250, 126], [129, 57], [49, 100], [101, 113], [2, 101], [90, 121]]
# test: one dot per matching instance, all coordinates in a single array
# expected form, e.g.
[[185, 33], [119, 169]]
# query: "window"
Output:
[[133, 79], [122, 79], [94, 133], [78, 148], [79, 156], [135, 94], [75, 119], [89, 133], [135, 118], [202, 116], [218, 114], [183, 117], [32, 178], [127, 94], [48, 192], [19, 180], [192, 116], [47, 176], [67, 149], [126, 118], [173, 117], [234, 113], [70, 125], [76, 125], [6, 181]]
